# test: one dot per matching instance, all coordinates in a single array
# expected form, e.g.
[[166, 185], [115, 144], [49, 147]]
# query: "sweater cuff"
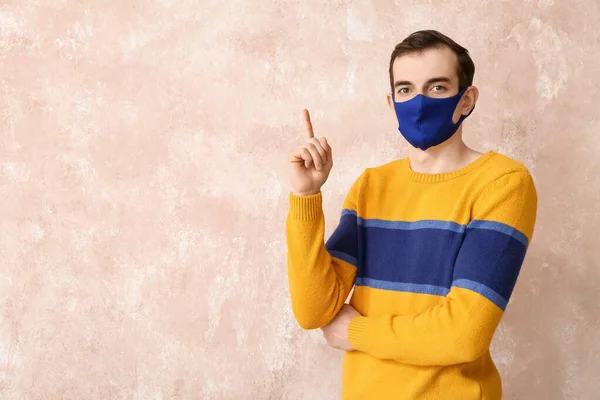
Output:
[[306, 208], [358, 333]]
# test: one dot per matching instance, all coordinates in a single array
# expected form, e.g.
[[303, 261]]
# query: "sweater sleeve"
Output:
[[321, 275], [460, 328]]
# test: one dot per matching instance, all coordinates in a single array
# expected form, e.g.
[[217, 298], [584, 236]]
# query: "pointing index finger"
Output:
[[308, 124]]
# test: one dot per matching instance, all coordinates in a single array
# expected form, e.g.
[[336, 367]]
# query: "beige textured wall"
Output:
[[143, 185]]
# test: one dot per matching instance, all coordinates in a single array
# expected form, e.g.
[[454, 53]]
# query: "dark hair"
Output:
[[423, 40]]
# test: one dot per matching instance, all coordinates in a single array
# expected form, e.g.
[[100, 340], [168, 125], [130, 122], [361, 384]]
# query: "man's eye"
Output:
[[403, 90], [438, 88]]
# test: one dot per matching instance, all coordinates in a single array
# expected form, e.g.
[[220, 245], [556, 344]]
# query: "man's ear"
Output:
[[469, 100], [390, 101]]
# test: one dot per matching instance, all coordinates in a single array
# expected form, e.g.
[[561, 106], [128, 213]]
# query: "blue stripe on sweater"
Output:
[[402, 286], [414, 256], [499, 227], [343, 242], [493, 259], [409, 226], [430, 256]]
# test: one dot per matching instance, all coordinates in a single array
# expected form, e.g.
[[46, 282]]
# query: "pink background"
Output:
[[143, 185]]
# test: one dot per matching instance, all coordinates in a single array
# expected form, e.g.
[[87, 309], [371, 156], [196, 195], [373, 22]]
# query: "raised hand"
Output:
[[310, 163]]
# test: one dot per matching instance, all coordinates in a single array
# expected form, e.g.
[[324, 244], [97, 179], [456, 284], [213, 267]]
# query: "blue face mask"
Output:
[[426, 122]]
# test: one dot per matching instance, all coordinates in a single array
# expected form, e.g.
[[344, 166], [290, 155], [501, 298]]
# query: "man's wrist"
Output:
[[305, 194]]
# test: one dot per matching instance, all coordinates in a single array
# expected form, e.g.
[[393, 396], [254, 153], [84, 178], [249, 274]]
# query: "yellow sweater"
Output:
[[433, 259]]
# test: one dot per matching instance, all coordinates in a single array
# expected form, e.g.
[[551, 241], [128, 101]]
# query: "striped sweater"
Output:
[[433, 260]]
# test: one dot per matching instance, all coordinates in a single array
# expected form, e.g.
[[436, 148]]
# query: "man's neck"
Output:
[[449, 156]]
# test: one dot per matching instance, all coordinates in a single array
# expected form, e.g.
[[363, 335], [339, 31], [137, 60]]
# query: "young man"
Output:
[[432, 244]]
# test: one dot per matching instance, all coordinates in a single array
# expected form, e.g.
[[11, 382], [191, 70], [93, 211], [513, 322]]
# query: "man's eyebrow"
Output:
[[438, 79], [402, 83]]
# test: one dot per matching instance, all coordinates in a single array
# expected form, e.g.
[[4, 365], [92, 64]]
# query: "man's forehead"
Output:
[[426, 64]]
